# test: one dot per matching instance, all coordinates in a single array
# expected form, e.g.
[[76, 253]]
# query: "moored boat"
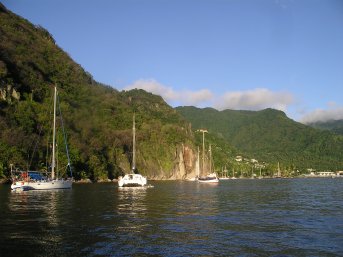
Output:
[[43, 184], [211, 177], [34, 180], [133, 179]]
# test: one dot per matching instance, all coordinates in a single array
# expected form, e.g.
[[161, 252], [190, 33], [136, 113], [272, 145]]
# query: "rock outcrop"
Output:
[[9, 94]]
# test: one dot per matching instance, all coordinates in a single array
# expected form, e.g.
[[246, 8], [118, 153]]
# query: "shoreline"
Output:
[[88, 181]]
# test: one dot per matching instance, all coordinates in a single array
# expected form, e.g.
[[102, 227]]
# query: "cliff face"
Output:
[[182, 165], [185, 163], [97, 118]]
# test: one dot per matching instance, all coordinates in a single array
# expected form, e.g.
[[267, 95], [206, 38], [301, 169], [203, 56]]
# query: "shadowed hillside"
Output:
[[98, 118]]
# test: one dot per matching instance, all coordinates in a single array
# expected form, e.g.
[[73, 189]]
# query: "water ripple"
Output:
[[293, 217]]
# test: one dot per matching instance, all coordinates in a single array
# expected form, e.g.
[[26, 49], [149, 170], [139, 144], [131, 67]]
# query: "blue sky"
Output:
[[226, 54]]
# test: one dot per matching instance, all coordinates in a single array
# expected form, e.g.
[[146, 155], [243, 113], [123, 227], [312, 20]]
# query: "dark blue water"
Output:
[[284, 217]]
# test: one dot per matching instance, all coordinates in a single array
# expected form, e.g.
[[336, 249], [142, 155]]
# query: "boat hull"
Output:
[[132, 180], [42, 185], [208, 180]]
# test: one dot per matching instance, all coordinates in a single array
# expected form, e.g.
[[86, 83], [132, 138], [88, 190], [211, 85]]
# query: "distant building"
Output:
[[239, 158], [326, 173]]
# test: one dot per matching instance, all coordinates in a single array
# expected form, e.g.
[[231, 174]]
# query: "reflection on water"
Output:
[[288, 217], [32, 220], [132, 207]]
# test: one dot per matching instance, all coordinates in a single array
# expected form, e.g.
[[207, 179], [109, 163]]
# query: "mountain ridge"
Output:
[[269, 135], [335, 126], [99, 120]]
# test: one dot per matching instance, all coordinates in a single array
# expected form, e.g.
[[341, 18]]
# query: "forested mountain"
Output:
[[332, 125], [98, 121], [270, 136], [98, 118]]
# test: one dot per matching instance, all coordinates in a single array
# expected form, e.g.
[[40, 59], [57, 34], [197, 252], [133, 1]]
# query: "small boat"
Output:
[[133, 179], [210, 178], [34, 180]]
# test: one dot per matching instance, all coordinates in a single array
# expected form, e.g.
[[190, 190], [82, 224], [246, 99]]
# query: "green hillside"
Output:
[[98, 118], [98, 121], [270, 136], [335, 126]]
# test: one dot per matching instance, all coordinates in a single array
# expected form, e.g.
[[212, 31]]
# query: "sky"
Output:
[[224, 54]]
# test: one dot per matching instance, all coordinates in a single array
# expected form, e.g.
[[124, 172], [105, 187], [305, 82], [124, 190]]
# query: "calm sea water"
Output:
[[281, 217]]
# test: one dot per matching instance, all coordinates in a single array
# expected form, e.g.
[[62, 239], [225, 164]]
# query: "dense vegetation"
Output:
[[98, 118], [98, 121], [270, 136], [335, 126]]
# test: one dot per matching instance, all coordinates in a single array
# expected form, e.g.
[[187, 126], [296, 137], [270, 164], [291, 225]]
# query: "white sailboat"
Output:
[[132, 179], [34, 180], [211, 177]]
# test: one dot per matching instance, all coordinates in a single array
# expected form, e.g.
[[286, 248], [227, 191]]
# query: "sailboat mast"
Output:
[[203, 151], [197, 166], [210, 150], [54, 138], [134, 144], [203, 131]]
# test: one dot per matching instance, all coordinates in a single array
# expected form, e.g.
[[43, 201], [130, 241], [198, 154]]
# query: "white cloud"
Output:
[[256, 99], [184, 97], [195, 97], [154, 87], [334, 112]]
